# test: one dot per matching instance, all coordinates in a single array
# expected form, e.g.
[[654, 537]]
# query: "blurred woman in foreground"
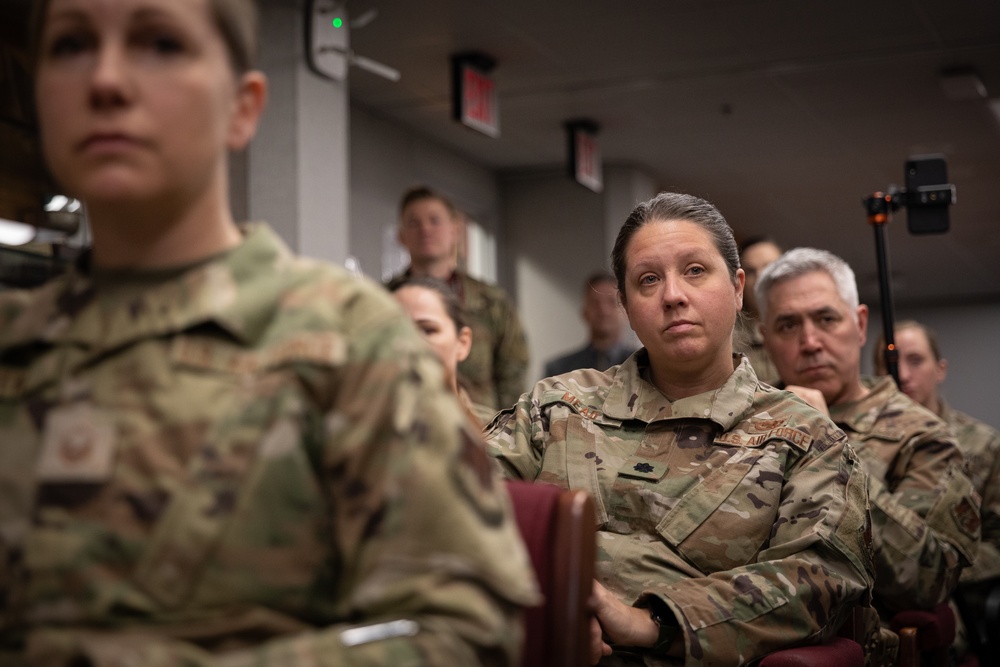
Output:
[[213, 452]]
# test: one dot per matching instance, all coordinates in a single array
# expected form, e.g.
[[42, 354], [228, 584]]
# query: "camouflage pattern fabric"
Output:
[[495, 371], [742, 509], [477, 414], [925, 511], [233, 465], [748, 340], [980, 444]]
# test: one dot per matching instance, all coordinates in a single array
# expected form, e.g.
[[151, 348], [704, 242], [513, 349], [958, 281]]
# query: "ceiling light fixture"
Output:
[[15, 233]]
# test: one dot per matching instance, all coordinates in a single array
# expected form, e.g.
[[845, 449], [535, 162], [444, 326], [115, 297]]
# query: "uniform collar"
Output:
[[861, 416], [631, 396], [945, 411], [227, 291]]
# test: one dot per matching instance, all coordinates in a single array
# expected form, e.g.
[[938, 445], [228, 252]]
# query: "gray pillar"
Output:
[[296, 170], [624, 187]]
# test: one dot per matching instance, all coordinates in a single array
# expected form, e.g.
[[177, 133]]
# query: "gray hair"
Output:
[[800, 261]]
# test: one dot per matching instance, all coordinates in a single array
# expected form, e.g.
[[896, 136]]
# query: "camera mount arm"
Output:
[[879, 207]]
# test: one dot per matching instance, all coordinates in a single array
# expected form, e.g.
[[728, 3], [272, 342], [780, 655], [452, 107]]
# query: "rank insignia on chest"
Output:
[[78, 445], [642, 468]]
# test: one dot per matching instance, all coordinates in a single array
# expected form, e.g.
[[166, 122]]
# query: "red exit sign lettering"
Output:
[[475, 96], [585, 164]]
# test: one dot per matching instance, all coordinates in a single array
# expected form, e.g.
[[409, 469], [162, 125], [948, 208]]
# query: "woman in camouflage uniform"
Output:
[[213, 453], [732, 517]]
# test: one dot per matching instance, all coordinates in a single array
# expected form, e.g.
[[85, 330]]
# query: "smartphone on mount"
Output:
[[928, 194]]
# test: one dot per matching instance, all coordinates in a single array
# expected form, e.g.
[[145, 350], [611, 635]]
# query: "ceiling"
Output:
[[784, 113]]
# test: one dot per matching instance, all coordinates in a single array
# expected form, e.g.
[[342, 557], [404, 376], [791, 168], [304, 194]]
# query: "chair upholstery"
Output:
[[844, 650], [924, 636], [558, 528], [838, 652], [979, 605]]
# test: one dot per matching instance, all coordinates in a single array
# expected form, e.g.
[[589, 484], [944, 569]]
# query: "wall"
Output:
[[295, 175], [385, 160], [968, 336], [557, 234], [555, 230]]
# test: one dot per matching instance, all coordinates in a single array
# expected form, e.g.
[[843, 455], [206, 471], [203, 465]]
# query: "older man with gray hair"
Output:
[[925, 512]]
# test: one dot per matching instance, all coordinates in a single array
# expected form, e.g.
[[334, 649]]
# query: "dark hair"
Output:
[[236, 21], [447, 295], [421, 192], [668, 206], [755, 240]]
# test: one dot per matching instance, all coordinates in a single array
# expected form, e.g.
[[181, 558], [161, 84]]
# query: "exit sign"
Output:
[[474, 93], [584, 162]]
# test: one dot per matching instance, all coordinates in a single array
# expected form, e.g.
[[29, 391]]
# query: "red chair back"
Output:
[[558, 529]]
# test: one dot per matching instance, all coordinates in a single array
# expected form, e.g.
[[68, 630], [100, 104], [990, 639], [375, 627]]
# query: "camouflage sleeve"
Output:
[[817, 562], [510, 353], [984, 466], [515, 437], [421, 517], [987, 563], [926, 528]]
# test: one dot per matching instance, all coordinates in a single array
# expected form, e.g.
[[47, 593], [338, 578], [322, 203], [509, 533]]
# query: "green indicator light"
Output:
[[338, 22]]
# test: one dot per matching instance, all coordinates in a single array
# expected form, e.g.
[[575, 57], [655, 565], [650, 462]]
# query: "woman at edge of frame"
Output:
[[216, 453]]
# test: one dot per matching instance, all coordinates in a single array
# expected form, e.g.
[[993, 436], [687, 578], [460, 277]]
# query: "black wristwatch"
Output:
[[670, 630]]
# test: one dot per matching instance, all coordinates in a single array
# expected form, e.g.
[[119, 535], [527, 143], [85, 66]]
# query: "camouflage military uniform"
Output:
[[743, 509], [925, 513], [980, 444], [495, 370], [232, 464], [748, 340], [479, 414]]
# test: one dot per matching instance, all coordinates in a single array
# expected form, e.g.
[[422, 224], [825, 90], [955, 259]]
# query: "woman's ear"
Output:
[[251, 98], [464, 345]]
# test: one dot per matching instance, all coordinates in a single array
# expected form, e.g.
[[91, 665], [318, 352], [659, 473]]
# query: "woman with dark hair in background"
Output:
[[438, 316]]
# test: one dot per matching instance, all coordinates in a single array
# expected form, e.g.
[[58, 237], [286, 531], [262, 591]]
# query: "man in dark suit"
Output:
[[608, 346]]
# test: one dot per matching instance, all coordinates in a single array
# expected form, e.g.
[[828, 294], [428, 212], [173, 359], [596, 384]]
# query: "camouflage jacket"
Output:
[[494, 372], [743, 509], [980, 444], [925, 513], [233, 465]]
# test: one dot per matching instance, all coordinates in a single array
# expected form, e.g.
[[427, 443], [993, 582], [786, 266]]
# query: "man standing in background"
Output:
[[494, 372], [607, 345]]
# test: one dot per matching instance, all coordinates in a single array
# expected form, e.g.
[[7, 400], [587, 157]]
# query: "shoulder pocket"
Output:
[[585, 454]]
